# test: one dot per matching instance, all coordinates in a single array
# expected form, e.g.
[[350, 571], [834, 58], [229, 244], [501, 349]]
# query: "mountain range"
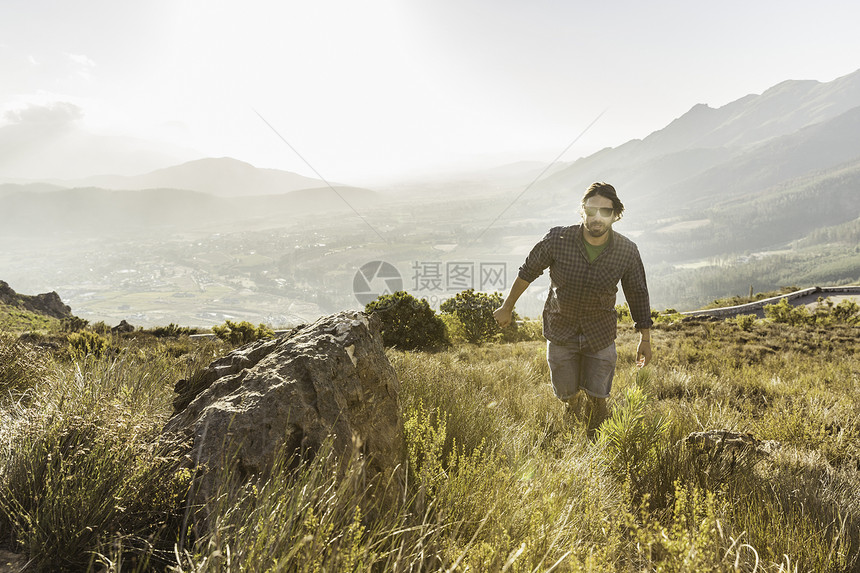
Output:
[[773, 172], [704, 162], [797, 145], [207, 192], [225, 177]]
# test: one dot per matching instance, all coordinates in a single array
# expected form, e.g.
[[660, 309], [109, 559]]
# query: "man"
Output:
[[586, 262]]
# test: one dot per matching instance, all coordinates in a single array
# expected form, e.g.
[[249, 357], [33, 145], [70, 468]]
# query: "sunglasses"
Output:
[[604, 211]]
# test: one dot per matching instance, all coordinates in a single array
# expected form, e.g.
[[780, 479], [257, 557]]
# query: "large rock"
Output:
[[48, 304], [122, 328], [328, 379]]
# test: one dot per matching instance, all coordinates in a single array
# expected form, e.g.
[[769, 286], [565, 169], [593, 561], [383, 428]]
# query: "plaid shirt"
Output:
[[581, 298]]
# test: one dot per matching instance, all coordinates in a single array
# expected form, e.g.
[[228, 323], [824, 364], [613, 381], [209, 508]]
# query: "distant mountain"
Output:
[[709, 155], [7, 188], [92, 211], [224, 177], [811, 149], [780, 110]]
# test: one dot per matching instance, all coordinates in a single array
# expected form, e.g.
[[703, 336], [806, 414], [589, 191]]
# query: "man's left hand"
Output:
[[643, 353]]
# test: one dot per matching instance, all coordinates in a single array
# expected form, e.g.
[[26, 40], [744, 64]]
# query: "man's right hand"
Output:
[[503, 316]]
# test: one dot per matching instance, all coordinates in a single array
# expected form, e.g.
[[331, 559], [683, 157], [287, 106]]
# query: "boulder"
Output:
[[330, 379], [122, 328], [48, 304]]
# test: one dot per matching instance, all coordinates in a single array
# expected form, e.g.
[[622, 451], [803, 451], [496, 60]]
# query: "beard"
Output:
[[597, 228]]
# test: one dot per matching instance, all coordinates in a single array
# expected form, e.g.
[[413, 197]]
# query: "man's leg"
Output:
[[599, 412], [564, 370], [573, 408], [598, 370]]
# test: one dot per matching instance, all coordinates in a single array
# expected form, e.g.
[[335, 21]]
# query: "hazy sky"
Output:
[[371, 90]]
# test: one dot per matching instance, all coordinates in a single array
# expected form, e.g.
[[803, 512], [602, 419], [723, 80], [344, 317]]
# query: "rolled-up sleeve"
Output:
[[538, 259]]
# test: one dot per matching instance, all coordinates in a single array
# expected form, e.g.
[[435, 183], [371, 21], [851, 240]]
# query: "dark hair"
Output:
[[608, 191]]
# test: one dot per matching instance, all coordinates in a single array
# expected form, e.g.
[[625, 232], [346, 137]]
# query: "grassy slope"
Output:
[[497, 479], [18, 320]]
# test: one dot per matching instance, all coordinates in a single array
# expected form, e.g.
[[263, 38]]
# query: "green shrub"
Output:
[[745, 321], [172, 331], [630, 437], [83, 471], [474, 310], [847, 312], [73, 324], [531, 330], [87, 343], [668, 316], [408, 323], [100, 327], [240, 333], [739, 300], [785, 313], [825, 313]]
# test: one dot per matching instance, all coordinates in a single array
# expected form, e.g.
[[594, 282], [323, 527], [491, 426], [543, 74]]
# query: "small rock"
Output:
[[719, 441]]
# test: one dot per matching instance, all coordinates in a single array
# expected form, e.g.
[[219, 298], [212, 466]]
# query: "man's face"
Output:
[[597, 215]]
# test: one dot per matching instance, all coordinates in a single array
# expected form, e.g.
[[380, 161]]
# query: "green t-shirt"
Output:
[[592, 251]]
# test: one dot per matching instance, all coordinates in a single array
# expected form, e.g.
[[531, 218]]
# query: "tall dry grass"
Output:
[[496, 479]]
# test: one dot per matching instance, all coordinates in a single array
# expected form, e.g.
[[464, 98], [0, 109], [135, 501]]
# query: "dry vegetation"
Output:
[[497, 480]]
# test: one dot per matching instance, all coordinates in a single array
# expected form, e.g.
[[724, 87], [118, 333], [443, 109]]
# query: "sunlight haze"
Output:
[[374, 91]]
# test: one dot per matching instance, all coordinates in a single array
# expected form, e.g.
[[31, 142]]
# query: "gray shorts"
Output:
[[572, 368]]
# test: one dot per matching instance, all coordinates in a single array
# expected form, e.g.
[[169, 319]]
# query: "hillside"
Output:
[[224, 176], [19, 312], [93, 211], [736, 449], [48, 304], [745, 146]]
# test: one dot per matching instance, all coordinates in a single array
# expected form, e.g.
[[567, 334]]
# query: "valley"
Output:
[[720, 201]]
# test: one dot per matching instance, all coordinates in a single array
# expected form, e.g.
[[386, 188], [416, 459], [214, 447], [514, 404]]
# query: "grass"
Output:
[[14, 319], [496, 480]]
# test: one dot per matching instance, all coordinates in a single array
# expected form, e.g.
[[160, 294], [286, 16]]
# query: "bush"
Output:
[[786, 313], [408, 323], [73, 324], [630, 438], [100, 327], [83, 473], [85, 343], [745, 321], [668, 316], [240, 333], [824, 314], [172, 331], [846, 311], [474, 310], [531, 329]]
